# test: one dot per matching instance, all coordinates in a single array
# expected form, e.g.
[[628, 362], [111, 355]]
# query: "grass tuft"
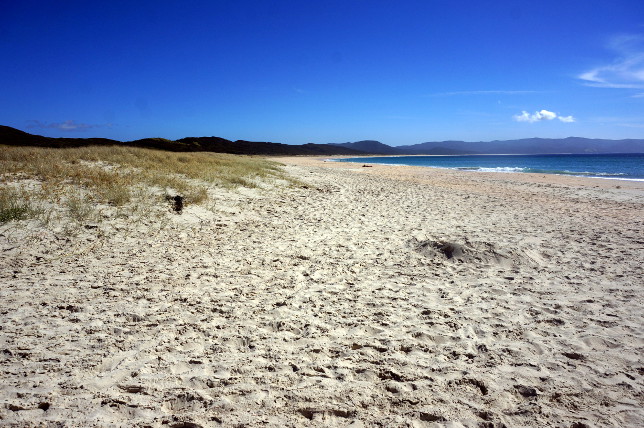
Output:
[[15, 206], [79, 208]]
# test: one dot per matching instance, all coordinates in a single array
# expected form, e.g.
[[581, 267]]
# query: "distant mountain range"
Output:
[[522, 146], [12, 136]]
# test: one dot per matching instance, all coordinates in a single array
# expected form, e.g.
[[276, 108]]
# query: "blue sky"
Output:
[[401, 72]]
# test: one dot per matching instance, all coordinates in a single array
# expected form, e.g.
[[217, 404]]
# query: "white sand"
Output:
[[333, 305]]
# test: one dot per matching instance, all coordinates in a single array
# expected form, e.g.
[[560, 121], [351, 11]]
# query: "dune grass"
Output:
[[78, 179], [15, 206]]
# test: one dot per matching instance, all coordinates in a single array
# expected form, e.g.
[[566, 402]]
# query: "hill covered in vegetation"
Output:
[[15, 137]]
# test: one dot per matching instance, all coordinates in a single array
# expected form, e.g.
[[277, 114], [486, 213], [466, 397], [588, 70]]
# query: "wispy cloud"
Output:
[[68, 125], [627, 68], [400, 117], [632, 125], [540, 116], [449, 94], [626, 122], [566, 119]]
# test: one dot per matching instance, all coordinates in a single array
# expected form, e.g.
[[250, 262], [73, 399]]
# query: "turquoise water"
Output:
[[613, 166]]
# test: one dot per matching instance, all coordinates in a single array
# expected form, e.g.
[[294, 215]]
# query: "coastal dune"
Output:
[[381, 296]]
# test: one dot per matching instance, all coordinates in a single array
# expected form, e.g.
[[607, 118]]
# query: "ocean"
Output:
[[628, 166]]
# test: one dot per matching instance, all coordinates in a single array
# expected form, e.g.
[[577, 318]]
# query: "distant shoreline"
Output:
[[412, 171], [619, 166], [490, 154]]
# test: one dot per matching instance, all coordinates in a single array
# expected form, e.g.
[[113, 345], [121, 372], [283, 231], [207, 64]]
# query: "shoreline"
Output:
[[412, 170], [481, 154], [388, 296], [494, 170]]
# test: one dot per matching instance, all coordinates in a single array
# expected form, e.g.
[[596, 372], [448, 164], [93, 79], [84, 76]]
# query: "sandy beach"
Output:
[[380, 296]]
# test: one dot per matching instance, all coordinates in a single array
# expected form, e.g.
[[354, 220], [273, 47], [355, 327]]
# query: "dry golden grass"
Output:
[[15, 205], [78, 178]]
